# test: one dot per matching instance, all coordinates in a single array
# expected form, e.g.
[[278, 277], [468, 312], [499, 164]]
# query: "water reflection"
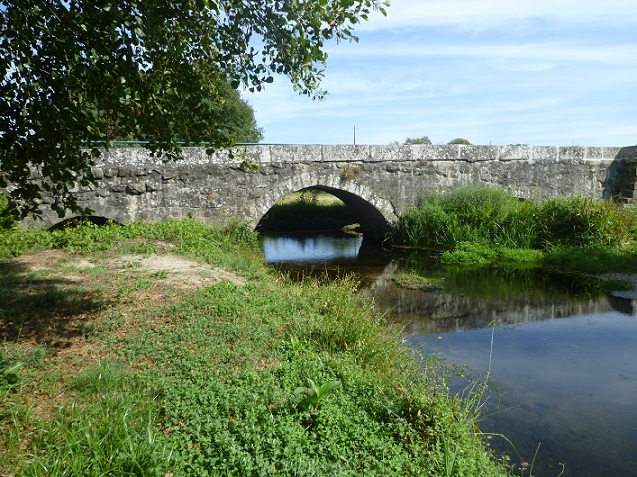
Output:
[[331, 255], [473, 299], [563, 350], [311, 248]]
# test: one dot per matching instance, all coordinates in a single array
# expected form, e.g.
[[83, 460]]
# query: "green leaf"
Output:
[[10, 372], [328, 387], [180, 61]]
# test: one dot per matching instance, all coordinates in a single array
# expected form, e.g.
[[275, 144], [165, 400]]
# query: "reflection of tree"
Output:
[[503, 282], [474, 298], [438, 312]]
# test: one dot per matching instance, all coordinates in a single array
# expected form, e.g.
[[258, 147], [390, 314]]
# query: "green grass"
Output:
[[468, 252], [593, 259], [413, 281], [203, 380], [484, 225]]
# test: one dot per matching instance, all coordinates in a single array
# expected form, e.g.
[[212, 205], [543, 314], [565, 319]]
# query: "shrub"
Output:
[[478, 206], [493, 217], [430, 226], [581, 222]]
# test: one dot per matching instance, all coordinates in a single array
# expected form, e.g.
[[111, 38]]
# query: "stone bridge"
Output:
[[378, 183]]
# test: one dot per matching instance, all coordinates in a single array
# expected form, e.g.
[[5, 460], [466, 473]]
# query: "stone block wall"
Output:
[[379, 181]]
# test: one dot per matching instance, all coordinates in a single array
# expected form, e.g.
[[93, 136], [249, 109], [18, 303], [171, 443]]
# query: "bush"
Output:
[[493, 217], [478, 206], [582, 222], [460, 140], [430, 226]]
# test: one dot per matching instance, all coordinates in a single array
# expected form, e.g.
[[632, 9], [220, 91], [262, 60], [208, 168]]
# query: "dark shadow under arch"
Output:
[[80, 219], [621, 177], [371, 221]]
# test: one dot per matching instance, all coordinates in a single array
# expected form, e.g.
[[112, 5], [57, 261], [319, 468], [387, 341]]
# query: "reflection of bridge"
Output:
[[376, 182], [440, 312]]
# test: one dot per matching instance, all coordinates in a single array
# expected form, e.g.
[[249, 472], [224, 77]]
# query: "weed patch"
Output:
[[483, 225]]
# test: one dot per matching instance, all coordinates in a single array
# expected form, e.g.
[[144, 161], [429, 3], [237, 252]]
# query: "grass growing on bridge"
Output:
[[124, 370], [487, 225]]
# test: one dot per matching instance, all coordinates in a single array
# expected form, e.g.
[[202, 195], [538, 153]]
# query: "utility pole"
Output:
[[354, 135]]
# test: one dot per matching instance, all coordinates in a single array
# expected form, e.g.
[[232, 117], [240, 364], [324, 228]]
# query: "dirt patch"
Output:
[[57, 298], [179, 271]]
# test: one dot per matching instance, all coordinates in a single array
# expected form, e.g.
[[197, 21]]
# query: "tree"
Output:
[[460, 140], [73, 70], [234, 117], [418, 140]]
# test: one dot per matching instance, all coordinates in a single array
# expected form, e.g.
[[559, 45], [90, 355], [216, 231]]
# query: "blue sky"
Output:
[[538, 72]]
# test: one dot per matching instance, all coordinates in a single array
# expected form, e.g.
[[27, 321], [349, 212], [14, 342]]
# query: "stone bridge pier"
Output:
[[378, 183]]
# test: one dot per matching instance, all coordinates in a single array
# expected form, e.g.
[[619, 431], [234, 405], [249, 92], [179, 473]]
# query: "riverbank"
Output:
[[171, 349], [480, 226]]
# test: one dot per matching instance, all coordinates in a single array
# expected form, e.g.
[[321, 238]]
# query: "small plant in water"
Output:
[[314, 394]]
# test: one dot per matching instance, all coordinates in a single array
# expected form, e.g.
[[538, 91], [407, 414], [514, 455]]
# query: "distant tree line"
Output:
[[425, 140]]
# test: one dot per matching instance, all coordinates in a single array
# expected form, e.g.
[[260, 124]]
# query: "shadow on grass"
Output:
[[48, 311]]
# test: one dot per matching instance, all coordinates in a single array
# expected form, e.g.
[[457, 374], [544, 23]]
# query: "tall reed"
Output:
[[493, 217]]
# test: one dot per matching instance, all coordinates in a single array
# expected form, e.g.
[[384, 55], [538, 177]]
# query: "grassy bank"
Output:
[[170, 349], [488, 225]]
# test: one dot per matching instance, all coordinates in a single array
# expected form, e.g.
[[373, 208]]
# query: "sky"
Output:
[[537, 72]]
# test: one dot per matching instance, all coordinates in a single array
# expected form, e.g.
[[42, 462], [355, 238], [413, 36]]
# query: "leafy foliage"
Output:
[[238, 122], [72, 72], [235, 121], [6, 220], [9, 372], [418, 140], [314, 394], [460, 140]]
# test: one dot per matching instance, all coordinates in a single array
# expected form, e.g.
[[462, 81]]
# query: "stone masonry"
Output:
[[377, 182]]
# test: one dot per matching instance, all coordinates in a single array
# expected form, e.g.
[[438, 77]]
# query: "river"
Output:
[[557, 355]]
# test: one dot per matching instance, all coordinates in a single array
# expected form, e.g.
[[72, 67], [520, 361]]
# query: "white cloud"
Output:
[[476, 15], [556, 51], [535, 72]]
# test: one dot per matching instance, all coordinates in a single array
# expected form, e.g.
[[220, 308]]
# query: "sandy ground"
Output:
[[179, 271]]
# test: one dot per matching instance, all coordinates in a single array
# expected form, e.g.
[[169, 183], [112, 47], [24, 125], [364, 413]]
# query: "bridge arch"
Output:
[[375, 214]]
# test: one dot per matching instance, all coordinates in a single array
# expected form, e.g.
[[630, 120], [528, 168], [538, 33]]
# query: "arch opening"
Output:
[[81, 219], [322, 209]]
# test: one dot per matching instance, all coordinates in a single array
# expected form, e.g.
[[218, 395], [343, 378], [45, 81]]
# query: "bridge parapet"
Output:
[[295, 153]]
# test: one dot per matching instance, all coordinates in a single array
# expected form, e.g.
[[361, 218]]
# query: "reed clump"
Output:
[[491, 216]]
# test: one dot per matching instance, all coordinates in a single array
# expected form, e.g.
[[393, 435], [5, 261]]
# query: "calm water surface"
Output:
[[562, 355]]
